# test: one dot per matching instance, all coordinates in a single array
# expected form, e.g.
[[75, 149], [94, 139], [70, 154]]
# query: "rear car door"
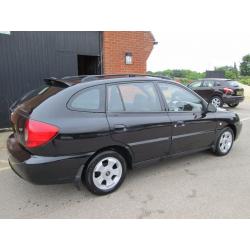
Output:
[[137, 119], [192, 129], [208, 89], [203, 88]]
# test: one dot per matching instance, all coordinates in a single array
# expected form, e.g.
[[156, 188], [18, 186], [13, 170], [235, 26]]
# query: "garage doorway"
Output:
[[88, 65]]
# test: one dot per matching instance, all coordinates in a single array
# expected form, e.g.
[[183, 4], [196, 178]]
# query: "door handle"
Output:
[[179, 124], [120, 128]]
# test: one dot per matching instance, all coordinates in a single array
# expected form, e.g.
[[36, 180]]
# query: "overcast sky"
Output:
[[192, 34], [199, 51]]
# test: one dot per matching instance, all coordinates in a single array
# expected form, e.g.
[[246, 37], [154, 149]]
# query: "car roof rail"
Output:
[[99, 77]]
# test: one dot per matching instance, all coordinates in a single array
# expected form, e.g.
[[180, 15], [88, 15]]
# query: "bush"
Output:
[[245, 80]]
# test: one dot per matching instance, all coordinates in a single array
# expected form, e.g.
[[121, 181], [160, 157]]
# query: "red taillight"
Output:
[[38, 133], [228, 91]]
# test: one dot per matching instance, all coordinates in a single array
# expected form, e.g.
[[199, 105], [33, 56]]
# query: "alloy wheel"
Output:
[[107, 173], [216, 102], [226, 141]]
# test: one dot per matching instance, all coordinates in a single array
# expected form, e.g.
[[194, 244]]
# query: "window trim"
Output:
[[154, 83], [102, 100], [203, 102]]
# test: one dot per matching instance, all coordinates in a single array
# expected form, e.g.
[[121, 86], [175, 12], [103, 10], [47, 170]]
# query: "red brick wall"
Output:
[[117, 43]]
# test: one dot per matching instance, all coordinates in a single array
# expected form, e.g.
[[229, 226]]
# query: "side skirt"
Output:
[[149, 162]]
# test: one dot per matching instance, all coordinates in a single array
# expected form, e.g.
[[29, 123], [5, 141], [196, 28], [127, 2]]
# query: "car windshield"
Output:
[[233, 83]]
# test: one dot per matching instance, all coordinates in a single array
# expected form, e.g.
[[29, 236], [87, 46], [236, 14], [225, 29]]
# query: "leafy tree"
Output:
[[230, 72], [245, 65]]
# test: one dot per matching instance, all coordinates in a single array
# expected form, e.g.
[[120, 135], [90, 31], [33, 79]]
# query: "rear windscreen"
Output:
[[232, 83], [35, 97]]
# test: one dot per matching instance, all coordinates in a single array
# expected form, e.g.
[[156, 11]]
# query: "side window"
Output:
[[140, 97], [114, 99], [195, 85], [88, 99], [208, 83], [180, 99]]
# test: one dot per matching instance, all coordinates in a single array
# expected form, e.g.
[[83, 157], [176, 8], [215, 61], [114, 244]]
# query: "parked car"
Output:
[[92, 129], [219, 91]]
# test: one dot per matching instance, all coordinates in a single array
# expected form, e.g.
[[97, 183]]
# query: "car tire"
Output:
[[233, 105], [217, 101], [105, 172], [224, 142]]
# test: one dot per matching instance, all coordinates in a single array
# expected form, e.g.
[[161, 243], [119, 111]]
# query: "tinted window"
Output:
[[114, 99], [140, 97], [208, 83], [232, 83], [35, 97], [87, 100], [179, 99], [195, 84]]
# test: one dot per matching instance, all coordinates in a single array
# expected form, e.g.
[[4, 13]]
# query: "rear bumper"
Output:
[[228, 99], [44, 170]]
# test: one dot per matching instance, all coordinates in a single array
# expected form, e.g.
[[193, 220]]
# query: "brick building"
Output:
[[116, 45], [26, 58]]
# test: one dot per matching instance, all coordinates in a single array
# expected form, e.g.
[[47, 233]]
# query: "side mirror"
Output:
[[211, 108]]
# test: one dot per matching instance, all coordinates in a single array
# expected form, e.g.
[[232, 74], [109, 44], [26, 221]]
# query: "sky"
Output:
[[199, 51], [191, 34]]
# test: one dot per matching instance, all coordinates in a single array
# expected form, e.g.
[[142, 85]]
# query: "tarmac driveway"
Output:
[[196, 186]]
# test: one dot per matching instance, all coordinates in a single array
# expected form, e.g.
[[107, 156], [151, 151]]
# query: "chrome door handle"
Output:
[[120, 128]]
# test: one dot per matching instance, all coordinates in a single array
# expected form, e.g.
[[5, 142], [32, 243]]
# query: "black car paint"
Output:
[[142, 137], [217, 90]]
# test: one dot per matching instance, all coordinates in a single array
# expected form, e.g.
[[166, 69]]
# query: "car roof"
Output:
[[101, 79]]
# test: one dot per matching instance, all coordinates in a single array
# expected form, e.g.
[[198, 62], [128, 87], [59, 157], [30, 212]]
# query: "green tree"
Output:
[[245, 65], [229, 71]]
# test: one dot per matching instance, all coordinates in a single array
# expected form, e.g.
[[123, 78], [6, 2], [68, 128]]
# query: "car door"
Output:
[[197, 87], [192, 128], [208, 89], [137, 119]]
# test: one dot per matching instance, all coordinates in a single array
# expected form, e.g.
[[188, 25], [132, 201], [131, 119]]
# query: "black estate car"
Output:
[[219, 91], [91, 129]]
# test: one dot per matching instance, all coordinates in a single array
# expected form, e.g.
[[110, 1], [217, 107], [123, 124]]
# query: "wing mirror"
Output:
[[211, 108]]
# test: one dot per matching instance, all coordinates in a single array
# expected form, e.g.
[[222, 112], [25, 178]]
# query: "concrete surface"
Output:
[[196, 186]]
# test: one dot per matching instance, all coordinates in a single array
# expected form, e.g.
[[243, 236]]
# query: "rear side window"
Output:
[[140, 97], [196, 84], [89, 99], [208, 83]]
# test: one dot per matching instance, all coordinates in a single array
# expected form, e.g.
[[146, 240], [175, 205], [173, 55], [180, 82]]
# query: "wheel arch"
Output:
[[234, 129], [123, 150]]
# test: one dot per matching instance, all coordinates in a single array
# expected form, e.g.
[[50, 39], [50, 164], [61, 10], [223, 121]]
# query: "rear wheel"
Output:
[[233, 105], [224, 142], [216, 101], [105, 172]]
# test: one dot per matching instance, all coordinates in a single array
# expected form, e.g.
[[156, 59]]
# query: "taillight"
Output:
[[228, 91], [38, 133]]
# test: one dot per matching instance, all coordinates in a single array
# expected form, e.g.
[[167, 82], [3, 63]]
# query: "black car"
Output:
[[92, 129], [219, 91]]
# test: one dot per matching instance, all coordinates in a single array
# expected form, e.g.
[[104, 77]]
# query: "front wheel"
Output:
[[216, 101], [233, 105], [224, 142], [105, 172]]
